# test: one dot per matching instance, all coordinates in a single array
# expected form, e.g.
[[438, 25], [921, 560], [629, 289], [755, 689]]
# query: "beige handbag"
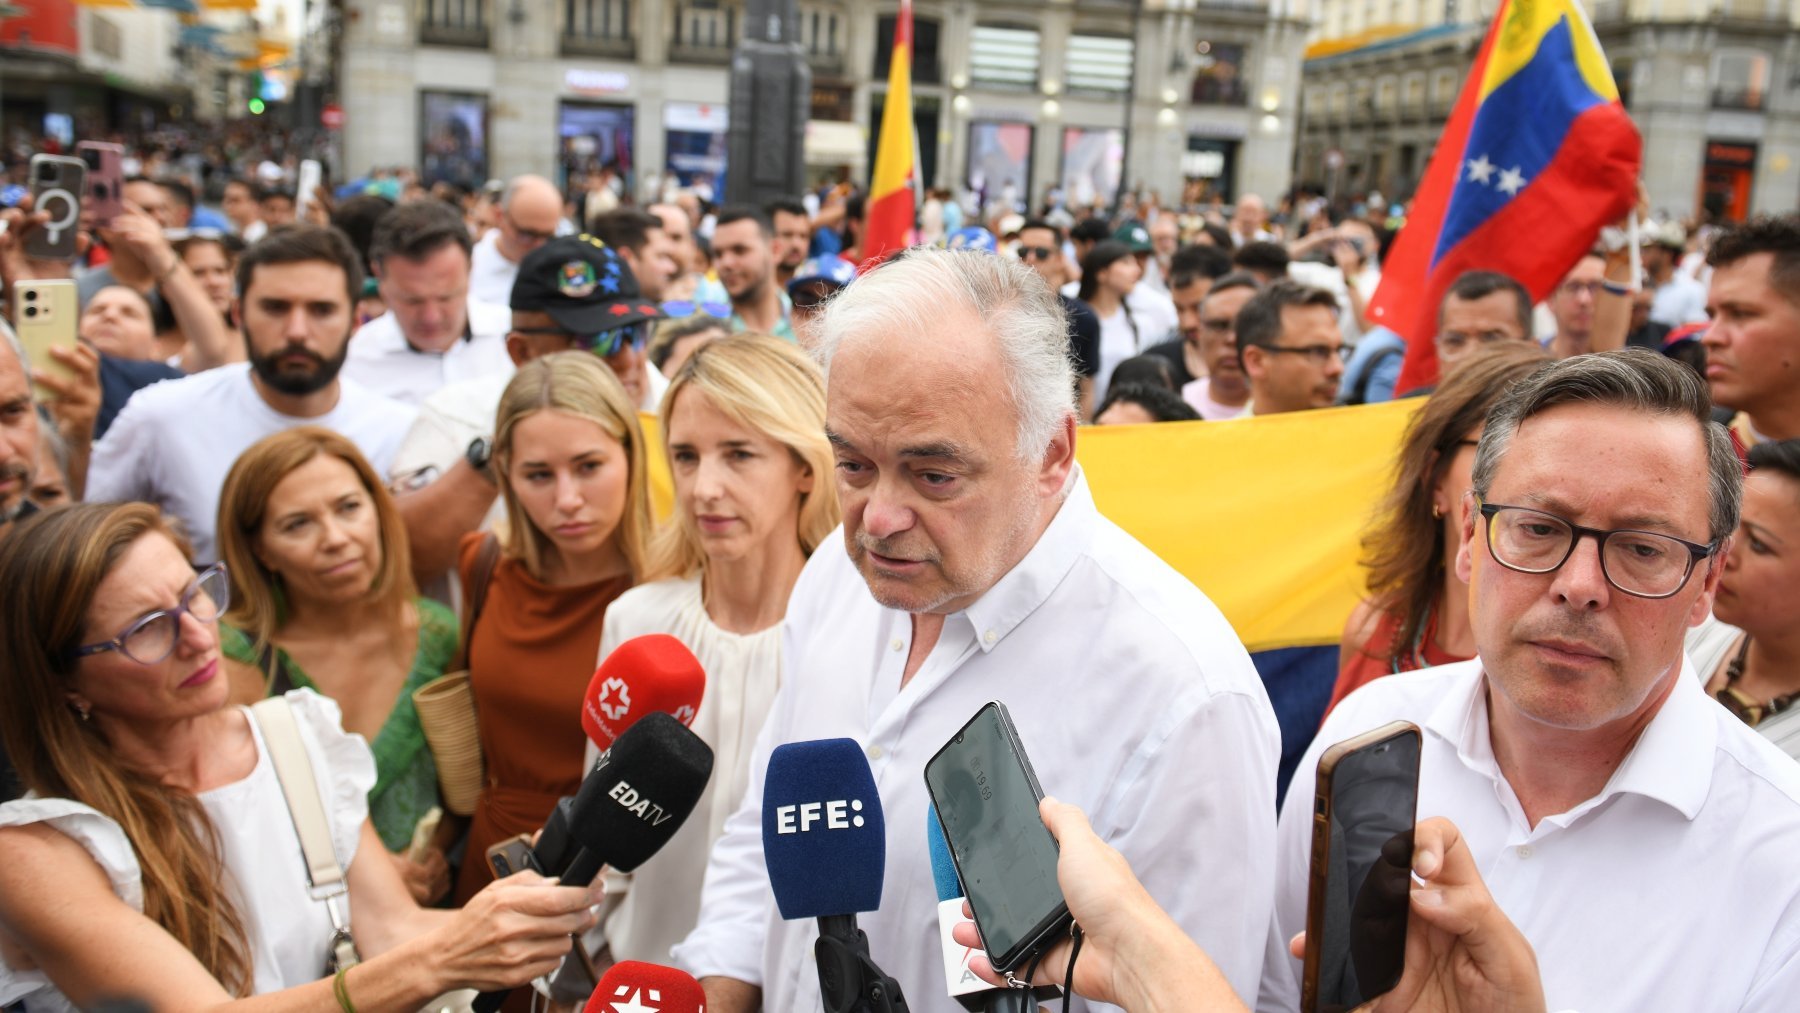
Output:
[[446, 705]]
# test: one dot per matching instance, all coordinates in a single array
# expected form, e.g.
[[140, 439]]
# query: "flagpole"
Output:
[[1636, 254]]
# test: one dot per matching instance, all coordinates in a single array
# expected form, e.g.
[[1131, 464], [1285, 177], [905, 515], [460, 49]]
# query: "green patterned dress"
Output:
[[405, 774]]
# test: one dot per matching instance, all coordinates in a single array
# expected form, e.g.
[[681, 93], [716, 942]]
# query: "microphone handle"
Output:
[[581, 871], [1010, 1000], [849, 981]]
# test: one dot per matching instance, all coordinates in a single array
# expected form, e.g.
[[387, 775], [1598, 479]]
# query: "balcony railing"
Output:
[[467, 36], [1739, 98], [598, 45]]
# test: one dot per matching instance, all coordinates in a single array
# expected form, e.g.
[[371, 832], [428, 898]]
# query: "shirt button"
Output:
[[898, 643], [875, 752], [990, 636], [1524, 851]]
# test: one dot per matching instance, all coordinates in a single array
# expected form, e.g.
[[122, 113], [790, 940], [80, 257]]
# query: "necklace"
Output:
[[1748, 709]]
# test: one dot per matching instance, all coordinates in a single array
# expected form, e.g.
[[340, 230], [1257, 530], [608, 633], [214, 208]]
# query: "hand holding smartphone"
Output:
[[987, 801], [56, 187], [47, 313], [1360, 896]]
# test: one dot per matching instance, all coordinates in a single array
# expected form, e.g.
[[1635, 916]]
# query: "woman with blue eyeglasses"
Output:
[[156, 855]]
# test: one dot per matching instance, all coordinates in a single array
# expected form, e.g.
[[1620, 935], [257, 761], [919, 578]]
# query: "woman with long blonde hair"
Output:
[[569, 457], [155, 855], [325, 601], [744, 430]]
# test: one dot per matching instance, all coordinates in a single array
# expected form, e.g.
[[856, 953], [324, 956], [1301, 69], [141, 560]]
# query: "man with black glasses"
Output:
[[1603, 796], [530, 213], [1290, 347], [1040, 247]]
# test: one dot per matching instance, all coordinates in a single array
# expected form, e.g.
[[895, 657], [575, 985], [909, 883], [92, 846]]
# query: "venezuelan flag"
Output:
[[1537, 157], [890, 207]]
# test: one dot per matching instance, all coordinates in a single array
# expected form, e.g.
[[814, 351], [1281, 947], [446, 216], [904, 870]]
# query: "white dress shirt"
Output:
[[382, 360], [1131, 693], [491, 275], [1675, 888]]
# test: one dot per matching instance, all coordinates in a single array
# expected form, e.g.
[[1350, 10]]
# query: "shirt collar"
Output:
[[1672, 761], [1030, 582]]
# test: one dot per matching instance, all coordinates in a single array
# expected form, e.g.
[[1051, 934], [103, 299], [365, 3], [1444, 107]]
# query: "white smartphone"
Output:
[[311, 175]]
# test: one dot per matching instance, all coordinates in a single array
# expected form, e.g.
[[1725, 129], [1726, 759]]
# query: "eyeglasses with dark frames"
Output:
[[1644, 564], [1036, 252], [152, 636]]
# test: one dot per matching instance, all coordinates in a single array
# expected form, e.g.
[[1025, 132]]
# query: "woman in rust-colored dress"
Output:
[[569, 458]]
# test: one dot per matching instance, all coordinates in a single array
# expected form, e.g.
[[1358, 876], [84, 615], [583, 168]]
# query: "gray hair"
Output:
[[910, 296], [1632, 378]]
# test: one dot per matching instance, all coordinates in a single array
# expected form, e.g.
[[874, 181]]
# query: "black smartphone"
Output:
[[987, 800], [56, 185], [1360, 895]]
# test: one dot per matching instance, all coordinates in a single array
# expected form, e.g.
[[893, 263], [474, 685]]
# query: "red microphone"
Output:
[[632, 986], [654, 672]]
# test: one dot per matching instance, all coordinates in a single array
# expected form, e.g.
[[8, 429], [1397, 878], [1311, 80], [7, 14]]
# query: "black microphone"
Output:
[[638, 794], [825, 846]]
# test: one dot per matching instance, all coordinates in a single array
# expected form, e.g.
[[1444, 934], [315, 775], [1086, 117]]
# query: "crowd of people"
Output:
[[330, 458]]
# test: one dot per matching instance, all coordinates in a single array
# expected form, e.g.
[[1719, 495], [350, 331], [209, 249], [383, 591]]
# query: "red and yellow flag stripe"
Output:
[[890, 207]]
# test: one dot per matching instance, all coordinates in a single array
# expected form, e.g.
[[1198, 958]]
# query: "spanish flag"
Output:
[[890, 207], [1537, 157]]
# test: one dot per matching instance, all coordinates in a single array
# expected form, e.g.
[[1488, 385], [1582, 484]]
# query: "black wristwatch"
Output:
[[480, 455]]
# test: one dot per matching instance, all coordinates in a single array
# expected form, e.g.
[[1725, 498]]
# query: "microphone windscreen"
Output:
[[640, 791], [943, 868], [643, 675], [632, 986], [823, 837]]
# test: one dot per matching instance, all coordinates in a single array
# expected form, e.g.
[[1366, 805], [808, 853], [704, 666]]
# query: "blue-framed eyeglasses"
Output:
[[152, 636]]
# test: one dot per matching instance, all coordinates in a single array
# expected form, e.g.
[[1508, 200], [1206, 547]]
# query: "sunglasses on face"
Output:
[[603, 344]]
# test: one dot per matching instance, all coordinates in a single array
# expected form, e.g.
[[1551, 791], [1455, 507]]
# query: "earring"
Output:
[[81, 707], [1437, 512]]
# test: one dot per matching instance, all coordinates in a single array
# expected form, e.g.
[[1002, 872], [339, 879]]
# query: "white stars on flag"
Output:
[[1481, 171]]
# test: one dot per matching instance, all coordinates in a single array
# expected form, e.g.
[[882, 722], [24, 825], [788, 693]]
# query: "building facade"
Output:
[[1008, 96], [1713, 85]]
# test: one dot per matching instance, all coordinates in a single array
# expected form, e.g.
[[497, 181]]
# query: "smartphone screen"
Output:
[[1362, 867], [987, 801]]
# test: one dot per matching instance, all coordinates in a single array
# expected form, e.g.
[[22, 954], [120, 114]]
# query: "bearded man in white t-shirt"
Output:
[[174, 442]]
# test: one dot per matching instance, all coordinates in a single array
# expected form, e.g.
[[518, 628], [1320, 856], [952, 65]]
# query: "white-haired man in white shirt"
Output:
[[976, 567]]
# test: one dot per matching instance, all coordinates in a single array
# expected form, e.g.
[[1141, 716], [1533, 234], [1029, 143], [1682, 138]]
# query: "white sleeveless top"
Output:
[[288, 930], [661, 899]]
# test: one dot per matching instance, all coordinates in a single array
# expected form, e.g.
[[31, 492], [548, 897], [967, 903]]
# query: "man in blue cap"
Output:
[[815, 281]]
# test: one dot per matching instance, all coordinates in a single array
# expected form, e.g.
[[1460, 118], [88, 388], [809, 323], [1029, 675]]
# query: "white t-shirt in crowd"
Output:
[[1198, 395], [381, 360], [1696, 829], [289, 932], [174, 442], [1679, 302], [1121, 337], [490, 273]]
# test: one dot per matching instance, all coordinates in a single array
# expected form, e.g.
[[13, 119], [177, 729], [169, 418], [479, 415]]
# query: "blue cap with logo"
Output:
[[974, 238], [828, 267]]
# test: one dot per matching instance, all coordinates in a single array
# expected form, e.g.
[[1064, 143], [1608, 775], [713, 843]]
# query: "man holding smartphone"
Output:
[[1603, 797], [975, 567]]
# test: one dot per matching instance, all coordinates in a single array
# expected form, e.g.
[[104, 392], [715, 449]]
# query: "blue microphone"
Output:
[[974, 995], [825, 845]]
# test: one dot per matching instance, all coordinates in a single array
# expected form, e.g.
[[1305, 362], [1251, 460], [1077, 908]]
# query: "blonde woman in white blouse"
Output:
[[744, 429]]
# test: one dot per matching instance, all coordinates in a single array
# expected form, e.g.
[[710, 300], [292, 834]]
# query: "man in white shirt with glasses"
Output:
[[1640, 836]]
